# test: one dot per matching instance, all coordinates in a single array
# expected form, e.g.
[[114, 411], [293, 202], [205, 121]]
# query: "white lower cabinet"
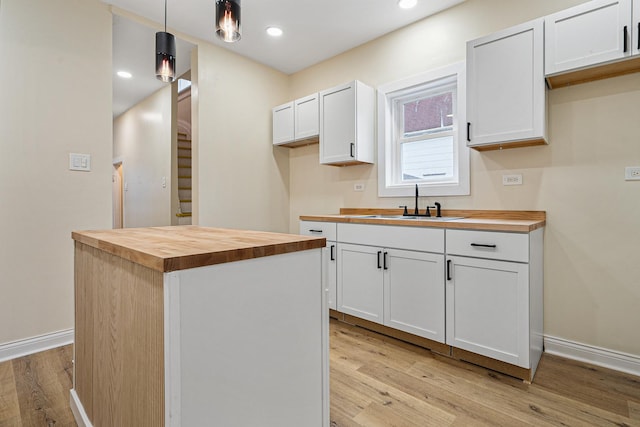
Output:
[[332, 271], [360, 288], [393, 286], [495, 294], [487, 308], [328, 231], [414, 294]]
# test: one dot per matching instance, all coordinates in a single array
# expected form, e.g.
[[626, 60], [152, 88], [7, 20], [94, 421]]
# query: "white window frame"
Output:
[[388, 150]]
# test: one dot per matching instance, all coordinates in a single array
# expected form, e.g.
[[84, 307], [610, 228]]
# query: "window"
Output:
[[419, 143]]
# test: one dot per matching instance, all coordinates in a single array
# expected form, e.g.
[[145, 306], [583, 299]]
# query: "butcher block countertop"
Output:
[[182, 247], [513, 221]]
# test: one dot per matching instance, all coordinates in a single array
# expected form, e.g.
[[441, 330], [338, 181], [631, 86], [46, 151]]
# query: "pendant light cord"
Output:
[[165, 16]]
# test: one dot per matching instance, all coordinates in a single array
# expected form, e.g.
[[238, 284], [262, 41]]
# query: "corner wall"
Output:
[[240, 179], [591, 264], [56, 99]]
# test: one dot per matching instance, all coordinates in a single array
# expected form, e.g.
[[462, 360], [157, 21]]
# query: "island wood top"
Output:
[[182, 247], [511, 221]]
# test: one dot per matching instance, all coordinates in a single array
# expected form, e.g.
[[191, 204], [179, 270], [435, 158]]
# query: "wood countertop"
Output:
[[512, 221], [182, 247]]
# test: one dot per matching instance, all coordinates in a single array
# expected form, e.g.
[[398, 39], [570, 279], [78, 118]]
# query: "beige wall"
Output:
[[55, 86], [240, 179], [591, 267], [142, 139]]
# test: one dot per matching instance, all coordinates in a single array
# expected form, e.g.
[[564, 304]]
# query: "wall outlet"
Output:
[[358, 187], [632, 173], [512, 179]]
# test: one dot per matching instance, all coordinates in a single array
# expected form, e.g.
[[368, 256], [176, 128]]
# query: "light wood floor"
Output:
[[379, 381]]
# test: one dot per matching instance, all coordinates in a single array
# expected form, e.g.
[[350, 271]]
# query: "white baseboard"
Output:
[[606, 358], [27, 346], [78, 410]]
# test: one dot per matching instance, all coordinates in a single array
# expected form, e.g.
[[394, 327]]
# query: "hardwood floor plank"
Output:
[[474, 413], [593, 385], [9, 403], [42, 385], [533, 404], [634, 410], [387, 402]]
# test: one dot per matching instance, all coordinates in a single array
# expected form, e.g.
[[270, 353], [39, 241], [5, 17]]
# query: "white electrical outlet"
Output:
[[512, 179], [632, 173], [358, 187]]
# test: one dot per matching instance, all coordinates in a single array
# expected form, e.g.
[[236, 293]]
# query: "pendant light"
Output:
[[228, 20], [165, 53]]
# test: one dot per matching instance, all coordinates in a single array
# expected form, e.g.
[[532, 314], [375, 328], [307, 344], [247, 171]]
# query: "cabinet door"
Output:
[[283, 127], [506, 93], [332, 275], [488, 308], [588, 34], [338, 124], [307, 117], [414, 293], [360, 289]]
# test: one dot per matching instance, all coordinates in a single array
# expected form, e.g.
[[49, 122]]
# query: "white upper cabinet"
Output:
[[283, 127], [588, 34], [296, 123], [347, 124], [506, 91], [307, 117]]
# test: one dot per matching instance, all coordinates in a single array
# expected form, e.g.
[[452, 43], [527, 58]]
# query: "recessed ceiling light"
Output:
[[274, 31], [407, 4], [124, 74]]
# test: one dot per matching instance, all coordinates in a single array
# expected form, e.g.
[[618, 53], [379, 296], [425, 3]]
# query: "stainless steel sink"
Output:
[[410, 217]]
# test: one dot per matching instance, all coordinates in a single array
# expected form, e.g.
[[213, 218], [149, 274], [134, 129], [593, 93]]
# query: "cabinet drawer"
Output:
[[489, 244], [388, 236], [318, 229]]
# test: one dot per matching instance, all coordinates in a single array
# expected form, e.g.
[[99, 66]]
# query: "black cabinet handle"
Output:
[[469, 131], [315, 231], [480, 245], [379, 253], [626, 36], [385, 262], [333, 256], [448, 269], [352, 146], [638, 35]]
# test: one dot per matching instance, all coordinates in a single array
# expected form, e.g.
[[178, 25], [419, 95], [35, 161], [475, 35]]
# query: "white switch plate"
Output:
[[512, 179], [358, 187], [79, 162], [632, 173]]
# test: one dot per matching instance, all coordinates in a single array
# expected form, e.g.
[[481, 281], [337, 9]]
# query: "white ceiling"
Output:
[[314, 30]]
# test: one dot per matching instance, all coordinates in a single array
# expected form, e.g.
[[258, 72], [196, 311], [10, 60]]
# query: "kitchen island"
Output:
[[185, 326]]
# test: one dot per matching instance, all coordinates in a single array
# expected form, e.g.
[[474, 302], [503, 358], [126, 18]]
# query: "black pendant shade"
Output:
[[165, 57], [228, 20]]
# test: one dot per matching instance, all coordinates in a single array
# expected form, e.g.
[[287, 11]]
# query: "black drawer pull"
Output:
[[315, 231], [468, 132], [625, 41], [379, 253], [480, 245], [385, 261], [333, 256], [448, 269], [352, 147]]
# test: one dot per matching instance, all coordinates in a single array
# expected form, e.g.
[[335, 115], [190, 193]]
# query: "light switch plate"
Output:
[[358, 187], [80, 162], [512, 179]]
